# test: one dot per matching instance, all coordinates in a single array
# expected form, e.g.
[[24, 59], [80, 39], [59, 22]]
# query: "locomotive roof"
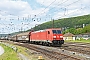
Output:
[[38, 31], [54, 29], [26, 33], [46, 30]]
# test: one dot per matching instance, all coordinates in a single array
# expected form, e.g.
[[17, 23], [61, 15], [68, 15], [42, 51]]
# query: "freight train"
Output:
[[49, 37]]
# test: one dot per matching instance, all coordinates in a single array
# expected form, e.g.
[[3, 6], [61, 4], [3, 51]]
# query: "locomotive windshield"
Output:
[[56, 31]]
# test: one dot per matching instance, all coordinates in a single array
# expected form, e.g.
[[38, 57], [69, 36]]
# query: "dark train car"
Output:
[[47, 37]]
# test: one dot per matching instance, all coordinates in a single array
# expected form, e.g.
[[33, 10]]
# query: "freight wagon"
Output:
[[20, 37]]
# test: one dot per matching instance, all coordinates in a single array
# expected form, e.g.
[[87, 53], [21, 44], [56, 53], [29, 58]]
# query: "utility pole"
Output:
[[53, 23]]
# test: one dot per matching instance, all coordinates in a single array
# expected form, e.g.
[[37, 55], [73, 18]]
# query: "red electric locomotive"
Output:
[[47, 37]]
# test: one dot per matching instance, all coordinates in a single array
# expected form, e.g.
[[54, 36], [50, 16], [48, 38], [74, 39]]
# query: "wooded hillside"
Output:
[[73, 22]]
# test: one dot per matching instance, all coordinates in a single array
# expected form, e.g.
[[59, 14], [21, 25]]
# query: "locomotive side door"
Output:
[[29, 36], [48, 33]]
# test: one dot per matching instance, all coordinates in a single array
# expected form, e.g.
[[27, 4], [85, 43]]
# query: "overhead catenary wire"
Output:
[[45, 8], [64, 7], [74, 11], [43, 11], [61, 7]]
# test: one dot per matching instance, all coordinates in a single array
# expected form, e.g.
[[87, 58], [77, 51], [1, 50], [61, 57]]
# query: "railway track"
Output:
[[77, 47], [49, 53], [55, 54]]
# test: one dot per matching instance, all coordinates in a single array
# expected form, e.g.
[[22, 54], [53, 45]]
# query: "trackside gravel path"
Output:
[[1, 50]]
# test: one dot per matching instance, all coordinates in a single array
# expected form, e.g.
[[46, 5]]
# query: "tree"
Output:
[[79, 31], [86, 29]]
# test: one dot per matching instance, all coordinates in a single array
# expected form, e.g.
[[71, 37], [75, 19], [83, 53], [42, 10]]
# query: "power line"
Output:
[[75, 11], [55, 10], [45, 8], [66, 5], [55, 6], [50, 9], [59, 5]]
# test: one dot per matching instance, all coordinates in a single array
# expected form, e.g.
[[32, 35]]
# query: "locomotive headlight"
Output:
[[54, 36], [61, 36]]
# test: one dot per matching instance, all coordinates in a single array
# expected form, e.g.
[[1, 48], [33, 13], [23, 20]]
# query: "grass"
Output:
[[9, 54], [81, 41], [12, 55], [22, 50], [29, 53]]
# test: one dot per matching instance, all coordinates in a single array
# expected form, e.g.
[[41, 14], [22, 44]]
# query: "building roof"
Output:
[[68, 35]]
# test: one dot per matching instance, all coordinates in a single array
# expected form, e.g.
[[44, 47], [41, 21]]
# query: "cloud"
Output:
[[71, 13], [72, 9], [51, 3], [14, 7], [15, 11], [21, 11]]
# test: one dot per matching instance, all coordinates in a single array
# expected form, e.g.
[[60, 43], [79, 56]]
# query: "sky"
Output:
[[21, 15]]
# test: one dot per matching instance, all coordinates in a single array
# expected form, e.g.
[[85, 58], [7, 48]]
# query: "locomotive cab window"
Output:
[[56, 31], [48, 32]]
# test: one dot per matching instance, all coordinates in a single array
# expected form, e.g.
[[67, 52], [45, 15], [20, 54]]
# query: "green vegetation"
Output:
[[9, 54], [86, 29], [32, 55], [22, 50], [81, 41], [73, 22]]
